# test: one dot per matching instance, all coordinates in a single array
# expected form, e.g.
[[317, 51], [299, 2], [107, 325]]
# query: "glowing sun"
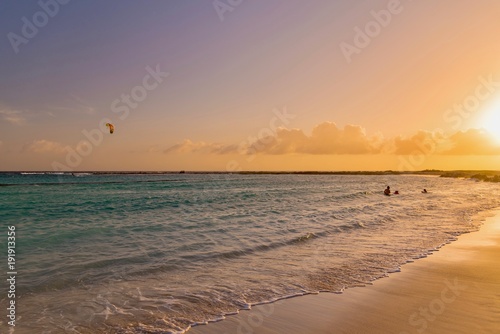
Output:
[[490, 121]]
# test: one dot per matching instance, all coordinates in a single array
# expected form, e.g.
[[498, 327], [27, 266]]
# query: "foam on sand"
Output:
[[455, 290]]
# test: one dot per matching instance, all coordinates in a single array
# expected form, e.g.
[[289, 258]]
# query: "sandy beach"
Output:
[[454, 290]]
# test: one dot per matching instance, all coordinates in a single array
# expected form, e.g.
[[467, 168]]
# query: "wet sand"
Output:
[[455, 290]]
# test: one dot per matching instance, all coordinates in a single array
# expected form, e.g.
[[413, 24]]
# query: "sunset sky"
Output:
[[249, 85]]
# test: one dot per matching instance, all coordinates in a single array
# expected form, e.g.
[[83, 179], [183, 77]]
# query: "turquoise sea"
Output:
[[158, 253]]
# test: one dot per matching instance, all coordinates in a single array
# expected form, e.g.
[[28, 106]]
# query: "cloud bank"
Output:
[[329, 139], [473, 142], [326, 138]]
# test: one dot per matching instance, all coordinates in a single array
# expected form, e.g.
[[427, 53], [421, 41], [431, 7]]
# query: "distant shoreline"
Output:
[[479, 175]]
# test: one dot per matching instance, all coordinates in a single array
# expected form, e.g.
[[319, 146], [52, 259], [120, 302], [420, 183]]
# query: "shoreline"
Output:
[[454, 290]]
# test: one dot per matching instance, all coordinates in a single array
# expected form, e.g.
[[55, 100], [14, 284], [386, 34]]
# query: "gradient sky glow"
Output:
[[422, 89]]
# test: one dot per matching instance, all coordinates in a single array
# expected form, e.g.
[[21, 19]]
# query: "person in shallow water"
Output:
[[387, 191], [424, 191]]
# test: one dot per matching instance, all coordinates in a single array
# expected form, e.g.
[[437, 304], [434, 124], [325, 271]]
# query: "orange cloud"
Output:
[[285, 141], [425, 141], [472, 142], [328, 139]]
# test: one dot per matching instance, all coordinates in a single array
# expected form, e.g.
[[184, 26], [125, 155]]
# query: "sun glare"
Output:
[[491, 120]]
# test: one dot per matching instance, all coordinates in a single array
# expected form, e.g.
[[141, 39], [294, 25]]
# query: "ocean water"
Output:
[[99, 253]]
